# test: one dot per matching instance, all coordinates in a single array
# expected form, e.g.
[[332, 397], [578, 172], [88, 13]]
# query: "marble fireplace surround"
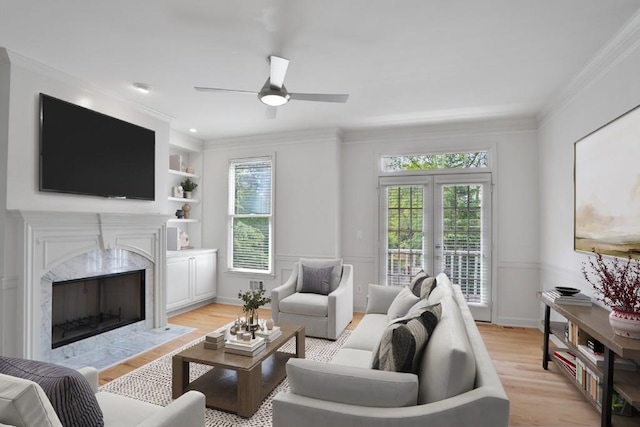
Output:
[[69, 245]]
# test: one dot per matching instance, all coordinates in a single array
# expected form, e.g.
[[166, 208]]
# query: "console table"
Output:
[[594, 321]]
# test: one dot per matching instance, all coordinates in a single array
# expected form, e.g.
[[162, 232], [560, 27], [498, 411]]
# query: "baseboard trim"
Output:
[[518, 322]]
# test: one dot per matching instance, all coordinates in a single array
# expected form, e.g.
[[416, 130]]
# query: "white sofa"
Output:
[[457, 384], [23, 403]]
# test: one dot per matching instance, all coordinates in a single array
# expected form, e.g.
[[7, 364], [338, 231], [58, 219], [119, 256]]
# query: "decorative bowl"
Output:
[[567, 291]]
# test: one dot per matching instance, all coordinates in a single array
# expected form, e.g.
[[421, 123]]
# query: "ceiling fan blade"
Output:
[[278, 70], [271, 112], [320, 97], [215, 89]]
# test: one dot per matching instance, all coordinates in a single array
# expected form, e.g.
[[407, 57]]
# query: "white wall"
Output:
[[608, 88], [21, 81], [307, 201], [28, 79], [514, 148]]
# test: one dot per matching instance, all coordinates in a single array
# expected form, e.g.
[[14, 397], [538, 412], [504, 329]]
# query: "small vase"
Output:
[[269, 324], [624, 323], [188, 195]]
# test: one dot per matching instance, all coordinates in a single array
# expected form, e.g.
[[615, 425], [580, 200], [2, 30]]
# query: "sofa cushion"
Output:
[[403, 341], [448, 365], [416, 282], [67, 389], [352, 357], [442, 288], [351, 386], [23, 403], [401, 304], [368, 333], [316, 280], [306, 304], [379, 298], [336, 273]]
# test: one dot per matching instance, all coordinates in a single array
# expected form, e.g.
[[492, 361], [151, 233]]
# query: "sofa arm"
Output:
[[351, 385], [379, 298], [185, 411], [283, 291], [479, 407], [91, 374]]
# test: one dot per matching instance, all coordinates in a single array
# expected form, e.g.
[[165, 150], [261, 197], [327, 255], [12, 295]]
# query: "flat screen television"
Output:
[[86, 152]]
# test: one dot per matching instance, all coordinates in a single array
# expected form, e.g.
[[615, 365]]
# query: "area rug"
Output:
[[152, 382]]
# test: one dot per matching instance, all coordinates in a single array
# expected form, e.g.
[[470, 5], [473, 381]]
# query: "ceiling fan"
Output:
[[273, 93]]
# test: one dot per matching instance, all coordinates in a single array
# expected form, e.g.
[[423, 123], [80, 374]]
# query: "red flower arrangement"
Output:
[[617, 282]]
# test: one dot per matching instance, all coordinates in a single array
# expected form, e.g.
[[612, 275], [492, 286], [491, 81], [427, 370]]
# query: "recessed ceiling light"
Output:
[[192, 130], [142, 87]]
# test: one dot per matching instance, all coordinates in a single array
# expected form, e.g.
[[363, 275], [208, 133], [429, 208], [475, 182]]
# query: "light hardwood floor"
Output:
[[538, 397]]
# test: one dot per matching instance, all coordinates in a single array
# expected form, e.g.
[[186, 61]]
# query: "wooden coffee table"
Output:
[[236, 383]]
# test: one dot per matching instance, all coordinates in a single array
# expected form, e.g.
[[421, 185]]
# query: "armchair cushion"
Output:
[[336, 273], [306, 304], [67, 389], [316, 280]]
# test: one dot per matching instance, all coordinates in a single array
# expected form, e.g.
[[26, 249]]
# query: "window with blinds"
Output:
[[251, 215]]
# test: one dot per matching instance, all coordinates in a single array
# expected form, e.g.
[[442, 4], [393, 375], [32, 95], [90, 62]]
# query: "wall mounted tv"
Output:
[[86, 152]]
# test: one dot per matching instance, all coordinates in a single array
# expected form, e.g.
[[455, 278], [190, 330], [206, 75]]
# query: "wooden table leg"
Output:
[[300, 345], [180, 376], [249, 391]]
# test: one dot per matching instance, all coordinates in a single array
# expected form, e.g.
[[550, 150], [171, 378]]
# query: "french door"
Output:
[[439, 223]]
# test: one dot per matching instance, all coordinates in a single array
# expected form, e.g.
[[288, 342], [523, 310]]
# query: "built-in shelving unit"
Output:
[[191, 155], [593, 321]]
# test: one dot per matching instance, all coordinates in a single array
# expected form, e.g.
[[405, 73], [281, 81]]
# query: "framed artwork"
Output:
[[607, 188]]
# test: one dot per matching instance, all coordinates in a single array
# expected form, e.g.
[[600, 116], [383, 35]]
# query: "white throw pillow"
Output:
[[23, 403], [401, 304]]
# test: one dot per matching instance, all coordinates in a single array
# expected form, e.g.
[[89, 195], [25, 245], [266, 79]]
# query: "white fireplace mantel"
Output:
[[48, 239]]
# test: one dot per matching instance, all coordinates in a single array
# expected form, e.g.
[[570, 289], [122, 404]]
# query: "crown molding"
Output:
[[40, 68], [615, 51], [446, 130], [274, 139]]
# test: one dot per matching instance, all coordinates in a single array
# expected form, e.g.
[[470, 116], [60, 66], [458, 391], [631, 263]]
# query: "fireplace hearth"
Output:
[[90, 306]]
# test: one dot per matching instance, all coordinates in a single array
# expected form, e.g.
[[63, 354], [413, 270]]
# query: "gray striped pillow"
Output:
[[67, 389], [403, 341]]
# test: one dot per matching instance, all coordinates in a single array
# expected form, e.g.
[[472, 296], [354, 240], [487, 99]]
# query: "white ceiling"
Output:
[[409, 61]]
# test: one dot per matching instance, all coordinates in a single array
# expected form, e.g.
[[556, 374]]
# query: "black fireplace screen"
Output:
[[90, 306]]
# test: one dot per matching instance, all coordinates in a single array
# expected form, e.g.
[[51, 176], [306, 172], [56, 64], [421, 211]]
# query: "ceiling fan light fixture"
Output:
[[273, 99]]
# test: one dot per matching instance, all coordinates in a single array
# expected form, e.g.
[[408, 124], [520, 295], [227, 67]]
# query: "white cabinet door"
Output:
[[178, 293], [204, 276]]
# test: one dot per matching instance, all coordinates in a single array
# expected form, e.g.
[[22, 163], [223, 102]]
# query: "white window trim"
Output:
[[231, 216]]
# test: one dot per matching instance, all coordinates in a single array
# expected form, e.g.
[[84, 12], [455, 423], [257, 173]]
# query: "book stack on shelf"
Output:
[[246, 348], [594, 351], [270, 335], [214, 340], [569, 296], [590, 381], [567, 360]]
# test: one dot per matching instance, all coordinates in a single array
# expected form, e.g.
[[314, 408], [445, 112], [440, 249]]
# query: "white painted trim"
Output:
[[615, 51], [40, 68], [273, 139], [440, 131], [7, 283], [518, 322]]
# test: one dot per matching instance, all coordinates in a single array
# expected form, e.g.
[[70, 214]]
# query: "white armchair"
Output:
[[323, 316], [23, 403]]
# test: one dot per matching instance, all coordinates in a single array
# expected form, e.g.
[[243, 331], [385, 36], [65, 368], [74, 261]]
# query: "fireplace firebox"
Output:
[[92, 305]]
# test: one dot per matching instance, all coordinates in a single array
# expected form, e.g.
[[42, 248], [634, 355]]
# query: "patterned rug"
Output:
[[152, 382]]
